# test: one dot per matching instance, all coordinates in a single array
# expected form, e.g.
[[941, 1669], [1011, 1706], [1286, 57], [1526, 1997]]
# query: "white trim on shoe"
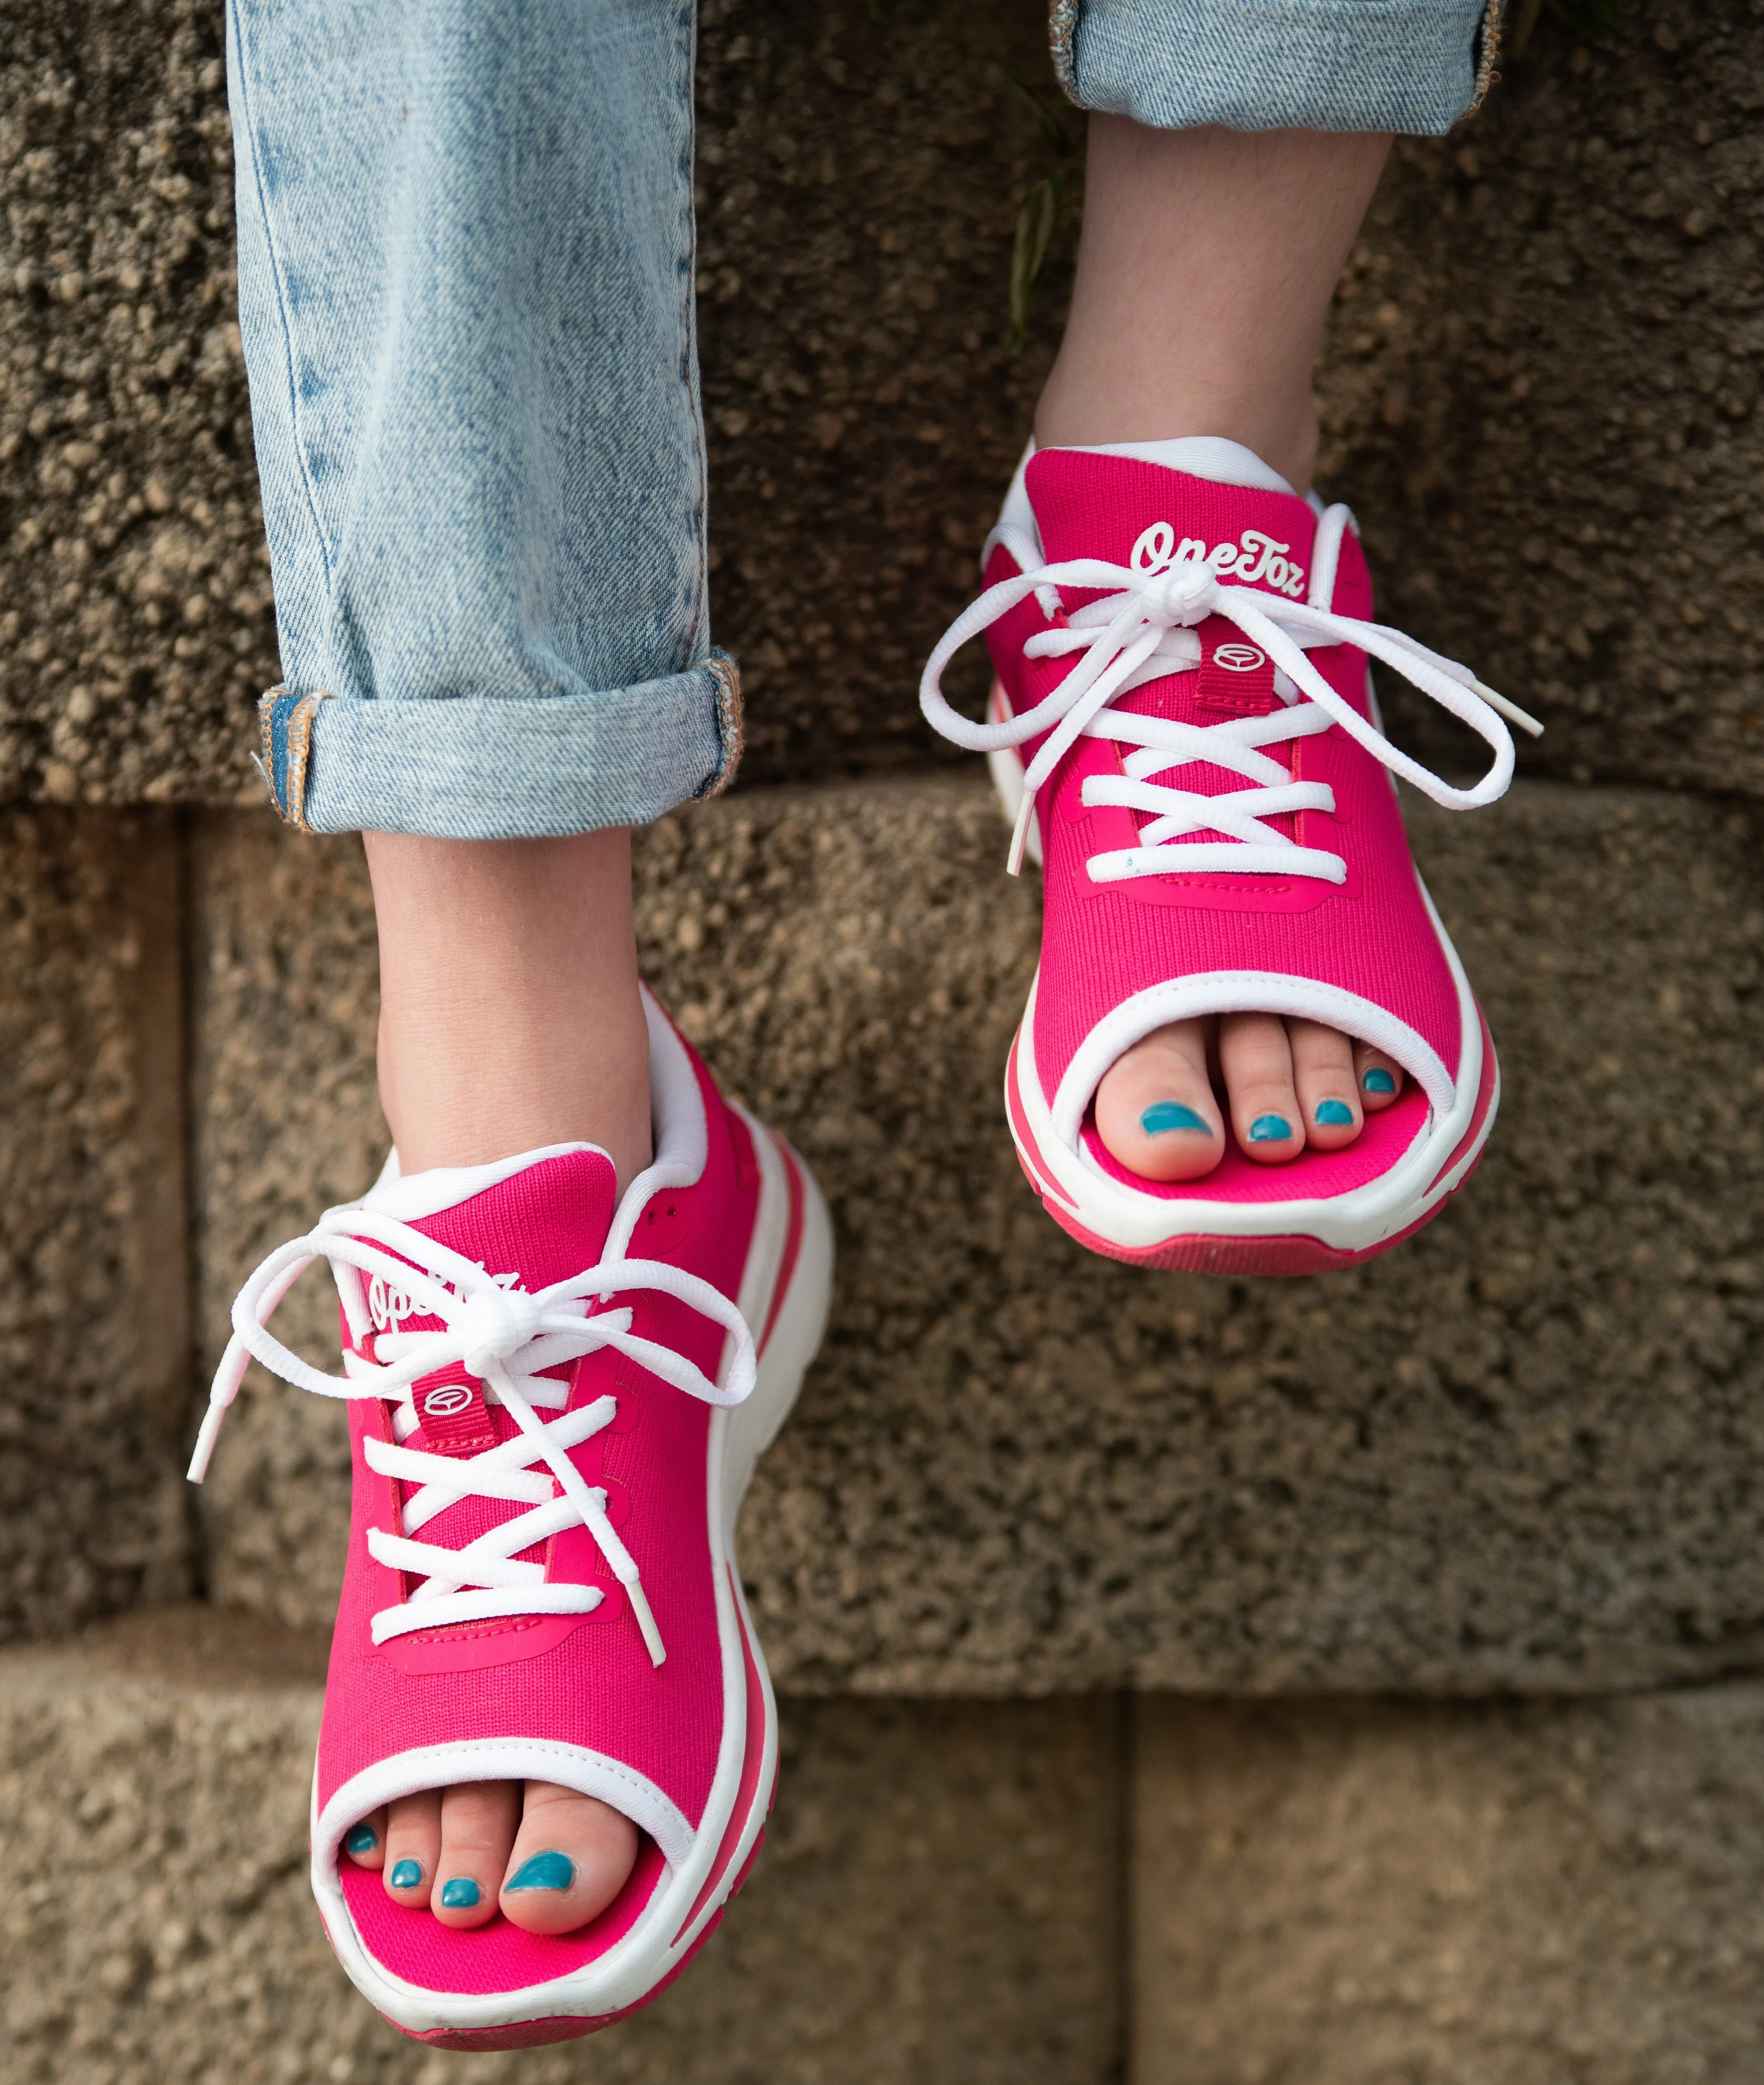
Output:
[[1356, 1220], [684, 1903], [1138, 1221]]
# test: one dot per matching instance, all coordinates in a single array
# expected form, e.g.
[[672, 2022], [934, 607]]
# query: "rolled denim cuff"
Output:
[[493, 768], [1409, 65]]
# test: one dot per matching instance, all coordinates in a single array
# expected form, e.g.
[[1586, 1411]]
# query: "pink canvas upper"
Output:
[[1103, 942], [576, 1680]]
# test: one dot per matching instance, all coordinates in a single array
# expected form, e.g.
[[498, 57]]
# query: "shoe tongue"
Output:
[[541, 1223], [1090, 503]]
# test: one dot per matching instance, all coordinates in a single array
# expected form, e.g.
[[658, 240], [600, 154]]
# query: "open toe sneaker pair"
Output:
[[556, 1399], [1184, 731]]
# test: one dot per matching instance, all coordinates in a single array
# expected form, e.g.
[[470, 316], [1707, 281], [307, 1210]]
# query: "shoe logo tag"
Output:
[[1255, 558], [1238, 658], [387, 1305], [443, 1402]]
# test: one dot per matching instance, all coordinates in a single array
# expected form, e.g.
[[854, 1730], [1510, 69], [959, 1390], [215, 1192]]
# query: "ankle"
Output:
[[1282, 430]]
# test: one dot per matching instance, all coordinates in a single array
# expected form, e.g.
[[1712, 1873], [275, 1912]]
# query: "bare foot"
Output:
[[1287, 1085], [548, 1858]]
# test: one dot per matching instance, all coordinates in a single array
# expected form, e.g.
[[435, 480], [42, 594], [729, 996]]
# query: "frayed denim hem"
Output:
[[1414, 66], [496, 769]]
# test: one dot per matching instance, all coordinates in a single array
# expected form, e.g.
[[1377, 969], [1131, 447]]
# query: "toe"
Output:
[[1379, 1078], [365, 1843], [413, 1842], [479, 1820], [1257, 1060], [1324, 1079], [571, 1858], [1155, 1111]]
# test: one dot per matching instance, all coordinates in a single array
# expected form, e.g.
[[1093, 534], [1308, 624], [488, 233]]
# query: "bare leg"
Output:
[[1207, 264], [1207, 261], [508, 1019], [509, 1009]]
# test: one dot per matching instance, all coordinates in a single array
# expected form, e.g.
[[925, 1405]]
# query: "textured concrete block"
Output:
[[1539, 387], [1498, 1895], [1540, 395], [94, 1264], [859, 181], [1513, 1454], [938, 1899]]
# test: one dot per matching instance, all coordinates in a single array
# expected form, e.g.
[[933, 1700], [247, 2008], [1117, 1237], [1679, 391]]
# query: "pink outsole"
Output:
[[1292, 1253]]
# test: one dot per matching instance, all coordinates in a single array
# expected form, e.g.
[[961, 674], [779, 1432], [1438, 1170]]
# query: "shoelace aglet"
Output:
[[224, 1389], [204, 1443], [646, 1620], [1511, 711]]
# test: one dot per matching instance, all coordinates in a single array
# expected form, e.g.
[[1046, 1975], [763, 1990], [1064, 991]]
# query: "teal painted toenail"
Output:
[[1171, 1114], [1269, 1129], [1378, 1080], [361, 1839], [459, 1895], [543, 1871], [1335, 1114], [406, 1875]]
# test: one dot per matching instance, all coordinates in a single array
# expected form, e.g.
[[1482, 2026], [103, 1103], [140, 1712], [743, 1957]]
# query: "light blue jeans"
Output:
[[466, 263]]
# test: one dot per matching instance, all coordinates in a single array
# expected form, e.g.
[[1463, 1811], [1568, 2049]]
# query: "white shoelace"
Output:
[[504, 1337], [1142, 628]]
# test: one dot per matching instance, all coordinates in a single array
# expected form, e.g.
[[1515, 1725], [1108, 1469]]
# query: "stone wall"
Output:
[[94, 1280], [1298, 1523], [1517, 1453], [1539, 385]]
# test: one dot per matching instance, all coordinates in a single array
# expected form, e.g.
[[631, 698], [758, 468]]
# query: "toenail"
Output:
[[361, 1839], [406, 1875], [1269, 1129], [543, 1871], [1171, 1114], [1378, 1080], [1335, 1114], [459, 1895]]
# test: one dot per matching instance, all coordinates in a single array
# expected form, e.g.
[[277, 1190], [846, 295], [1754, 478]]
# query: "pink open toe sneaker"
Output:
[[1183, 730], [556, 1404]]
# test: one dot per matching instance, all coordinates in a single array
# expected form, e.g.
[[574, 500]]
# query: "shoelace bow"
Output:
[[504, 1337], [1140, 628]]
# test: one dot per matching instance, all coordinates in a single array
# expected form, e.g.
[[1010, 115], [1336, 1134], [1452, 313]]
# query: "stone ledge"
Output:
[[1371, 1894], [94, 1272], [937, 1900], [1514, 1454]]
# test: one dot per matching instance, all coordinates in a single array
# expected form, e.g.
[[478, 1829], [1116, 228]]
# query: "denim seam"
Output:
[[1493, 20], [248, 104], [688, 44], [1062, 31], [730, 724], [289, 799]]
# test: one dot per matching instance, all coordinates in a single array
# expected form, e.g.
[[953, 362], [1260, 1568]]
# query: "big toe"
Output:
[[572, 1857], [1155, 1111]]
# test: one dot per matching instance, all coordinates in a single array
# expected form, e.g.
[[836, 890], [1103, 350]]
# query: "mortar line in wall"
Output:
[[1125, 1762], [189, 970]]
